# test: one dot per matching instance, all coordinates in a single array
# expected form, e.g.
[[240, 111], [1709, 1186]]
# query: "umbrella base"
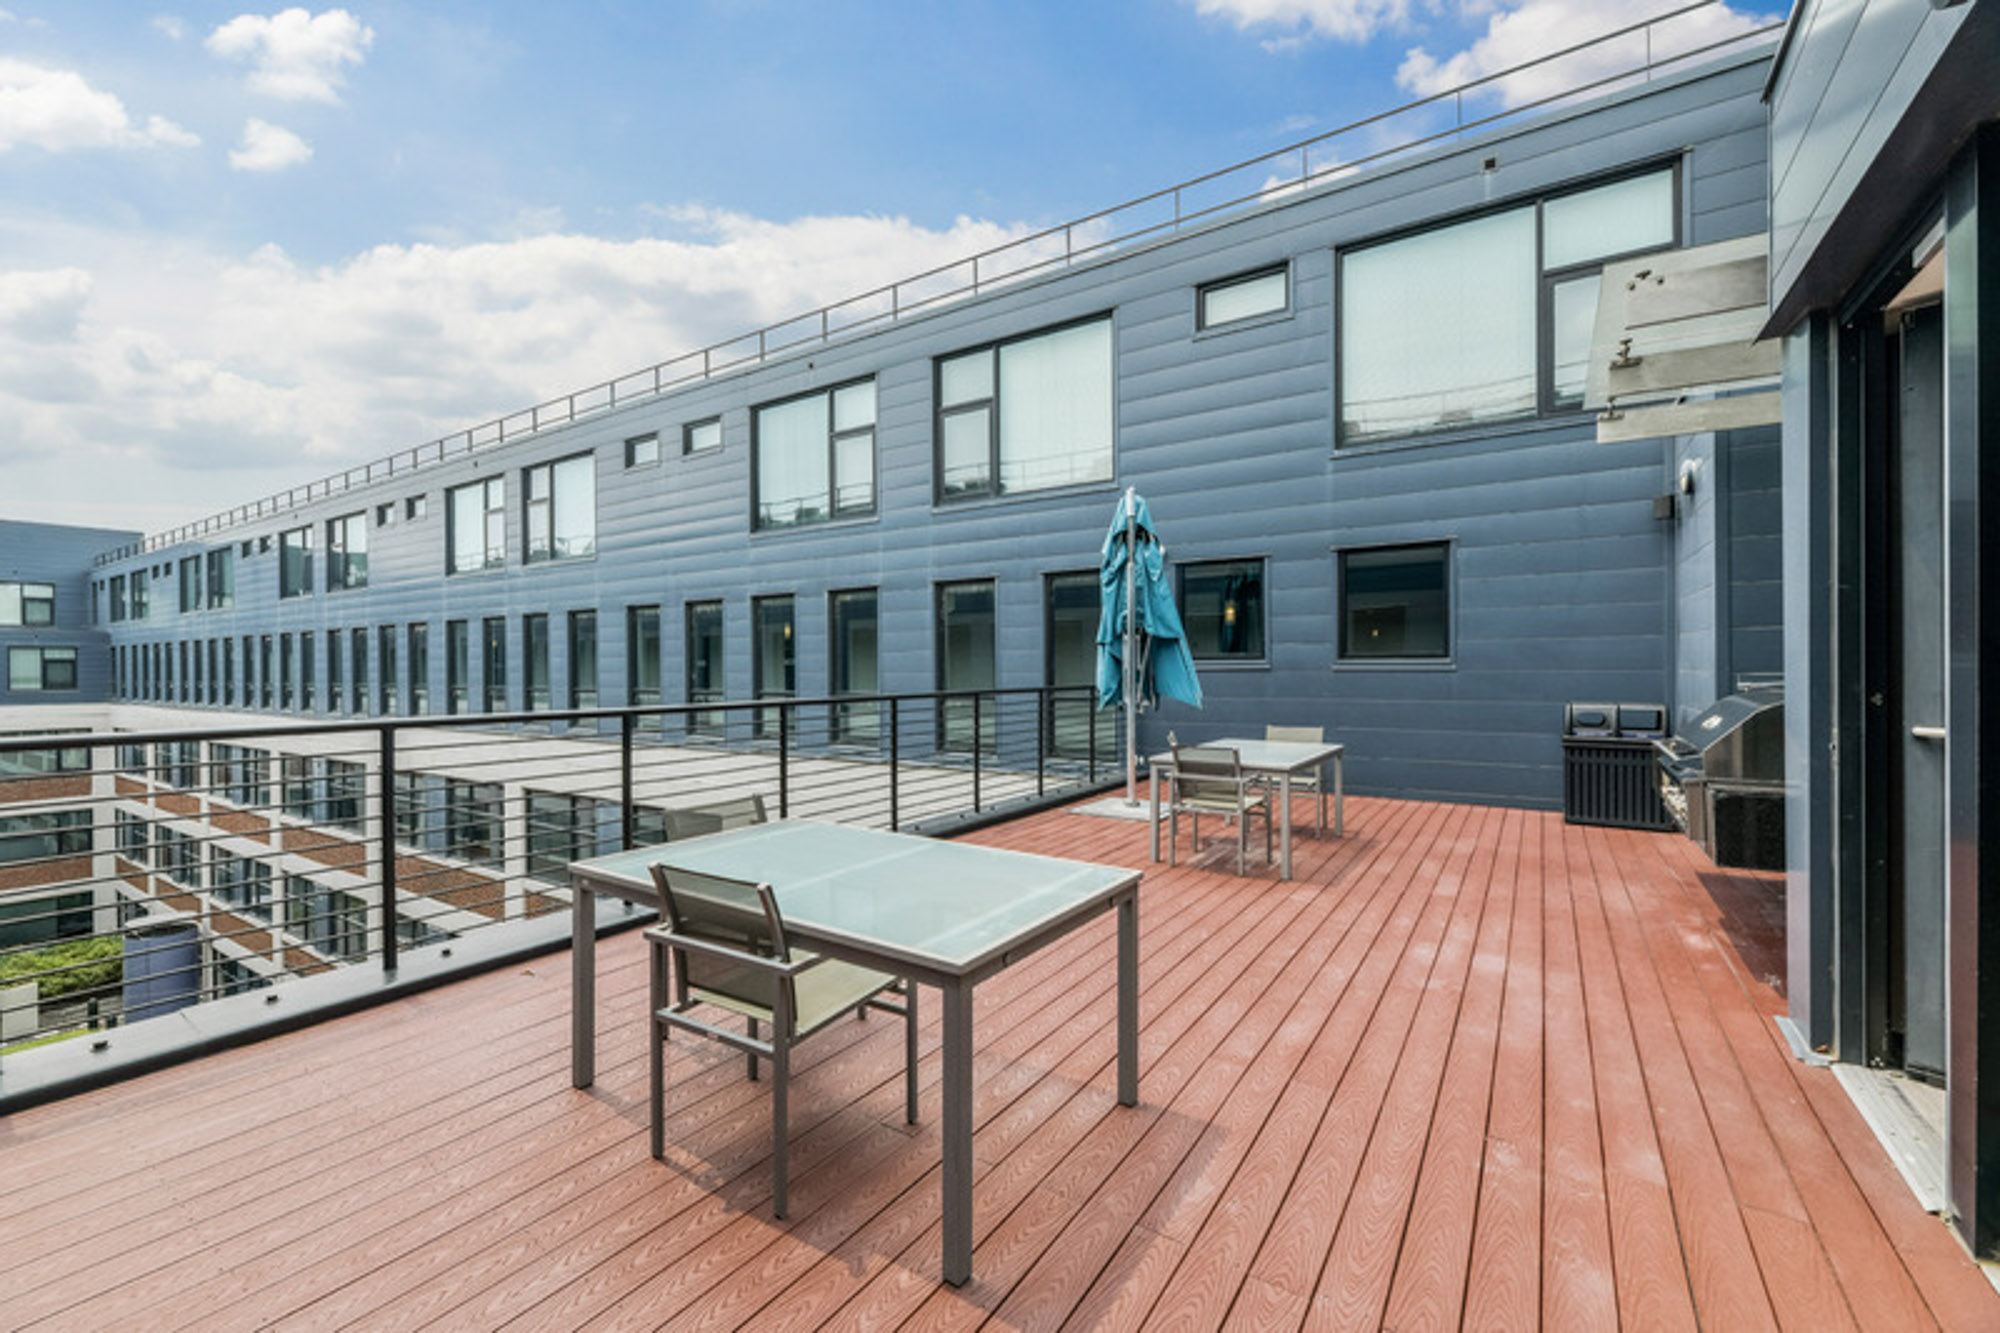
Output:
[[1116, 807]]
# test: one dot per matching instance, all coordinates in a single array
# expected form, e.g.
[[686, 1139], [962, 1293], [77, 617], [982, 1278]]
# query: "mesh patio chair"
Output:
[[1314, 781], [694, 821], [724, 946], [1209, 779]]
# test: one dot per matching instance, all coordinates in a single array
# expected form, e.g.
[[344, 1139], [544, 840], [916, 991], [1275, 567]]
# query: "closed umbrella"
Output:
[[1142, 649]]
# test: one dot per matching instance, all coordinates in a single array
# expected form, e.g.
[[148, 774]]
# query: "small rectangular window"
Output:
[[1222, 608], [1395, 603], [699, 436], [1235, 299], [643, 450], [385, 514], [416, 507]]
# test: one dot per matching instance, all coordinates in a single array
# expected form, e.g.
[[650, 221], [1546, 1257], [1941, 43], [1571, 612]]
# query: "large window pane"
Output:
[[476, 520], [561, 518], [815, 457], [642, 654], [1438, 329], [535, 660], [1618, 218], [1394, 603]]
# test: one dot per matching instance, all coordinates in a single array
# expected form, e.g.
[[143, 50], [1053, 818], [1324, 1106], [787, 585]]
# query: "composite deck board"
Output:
[[1473, 1067]]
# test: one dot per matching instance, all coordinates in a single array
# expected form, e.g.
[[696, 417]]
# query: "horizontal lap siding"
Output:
[[1562, 576]]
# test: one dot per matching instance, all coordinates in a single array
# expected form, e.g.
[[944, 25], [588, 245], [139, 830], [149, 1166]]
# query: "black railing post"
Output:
[[386, 795], [1044, 719], [627, 725], [1090, 717], [895, 776], [784, 761], [978, 744]]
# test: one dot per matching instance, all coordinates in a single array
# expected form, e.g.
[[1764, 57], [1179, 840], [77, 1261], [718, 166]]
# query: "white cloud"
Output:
[[268, 147], [170, 26], [295, 56], [55, 109], [1343, 20], [1523, 30], [192, 381]]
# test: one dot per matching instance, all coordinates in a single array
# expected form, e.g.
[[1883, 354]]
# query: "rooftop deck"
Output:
[[1475, 1066]]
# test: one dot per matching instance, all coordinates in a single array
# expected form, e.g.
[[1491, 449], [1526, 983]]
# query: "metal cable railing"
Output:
[[145, 872], [1201, 199]]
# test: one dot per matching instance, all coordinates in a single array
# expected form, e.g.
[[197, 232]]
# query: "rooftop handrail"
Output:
[[1061, 245]]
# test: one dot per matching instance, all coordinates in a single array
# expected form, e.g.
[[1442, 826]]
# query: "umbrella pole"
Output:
[[1128, 667]]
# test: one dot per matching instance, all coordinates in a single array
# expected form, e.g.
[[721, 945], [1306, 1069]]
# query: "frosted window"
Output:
[[1612, 219], [1470, 357]]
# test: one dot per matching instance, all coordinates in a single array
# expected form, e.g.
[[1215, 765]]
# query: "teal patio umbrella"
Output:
[[1142, 648]]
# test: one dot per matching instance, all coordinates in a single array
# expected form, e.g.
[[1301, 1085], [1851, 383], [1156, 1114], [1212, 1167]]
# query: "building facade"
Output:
[[1356, 411]]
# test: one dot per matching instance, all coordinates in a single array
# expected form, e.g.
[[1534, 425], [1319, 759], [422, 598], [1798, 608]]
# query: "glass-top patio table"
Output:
[[943, 914], [1271, 759]]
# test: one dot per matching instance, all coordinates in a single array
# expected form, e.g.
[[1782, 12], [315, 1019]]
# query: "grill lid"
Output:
[[1739, 737]]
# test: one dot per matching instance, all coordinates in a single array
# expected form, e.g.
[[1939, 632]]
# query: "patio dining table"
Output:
[[943, 914], [1277, 760]]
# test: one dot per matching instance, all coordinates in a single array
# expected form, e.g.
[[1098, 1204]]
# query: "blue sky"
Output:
[[244, 248]]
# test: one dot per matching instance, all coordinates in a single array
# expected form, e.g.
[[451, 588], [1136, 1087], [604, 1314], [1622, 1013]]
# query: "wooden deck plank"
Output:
[[1472, 1066]]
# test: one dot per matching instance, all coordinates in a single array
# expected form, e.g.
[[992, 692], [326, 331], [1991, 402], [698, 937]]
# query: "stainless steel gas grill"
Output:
[[1722, 779]]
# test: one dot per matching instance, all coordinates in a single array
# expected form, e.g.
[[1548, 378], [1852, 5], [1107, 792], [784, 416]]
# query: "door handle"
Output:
[[1928, 733]]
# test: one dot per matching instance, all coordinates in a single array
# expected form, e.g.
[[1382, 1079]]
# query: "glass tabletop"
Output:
[[945, 904]]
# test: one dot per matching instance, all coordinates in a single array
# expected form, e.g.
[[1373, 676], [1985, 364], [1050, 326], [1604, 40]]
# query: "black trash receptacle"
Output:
[[1609, 776]]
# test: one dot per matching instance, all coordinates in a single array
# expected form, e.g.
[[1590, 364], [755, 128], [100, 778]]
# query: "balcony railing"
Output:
[[1634, 53], [143, 873]]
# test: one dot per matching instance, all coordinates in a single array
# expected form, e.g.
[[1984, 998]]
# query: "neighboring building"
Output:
[[1356, 410], [52, 640], [1885, 285]]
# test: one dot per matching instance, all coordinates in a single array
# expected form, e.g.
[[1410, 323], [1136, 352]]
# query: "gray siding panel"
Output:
[[1563, 581]]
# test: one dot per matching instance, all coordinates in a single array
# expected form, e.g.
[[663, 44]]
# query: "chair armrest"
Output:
[[709, 949]]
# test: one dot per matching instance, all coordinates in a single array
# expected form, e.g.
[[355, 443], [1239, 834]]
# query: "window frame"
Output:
[[690, 430], [548, 507], [642, 450], [492, 507], [993, 489], [347, 551], [835, 437], [1448, 617], [295, 563], [1262, 656], [1203, 323], [45, 656], [1546, 279]]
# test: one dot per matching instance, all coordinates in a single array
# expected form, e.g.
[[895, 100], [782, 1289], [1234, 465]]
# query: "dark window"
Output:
[[642, 654], [534, 662], [583, 659], [856, 644], [1395, 603], [420, 669], [642, 450], [493, 656], [966, 660], [773, 667], [457, 667], [1222, 608], [1069, 635]]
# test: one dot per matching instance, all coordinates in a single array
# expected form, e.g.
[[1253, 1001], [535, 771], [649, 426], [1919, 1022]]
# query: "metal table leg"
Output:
[[1285, 825], [957, 1134], [1128, 1000], [582, 986]]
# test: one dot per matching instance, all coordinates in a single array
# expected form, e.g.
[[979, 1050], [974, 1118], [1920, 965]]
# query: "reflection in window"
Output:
[[773, 668], [1222, 607], [815, 457], [966, 660], [1394, 603], [583, 659], [1507, 300], [852, 625], [1026, 415], [35, 604], [562, 509], [1074, 721], [347, 552], [642, 654], [476, 526], [295, 563], [534, 661], [704, 663]]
